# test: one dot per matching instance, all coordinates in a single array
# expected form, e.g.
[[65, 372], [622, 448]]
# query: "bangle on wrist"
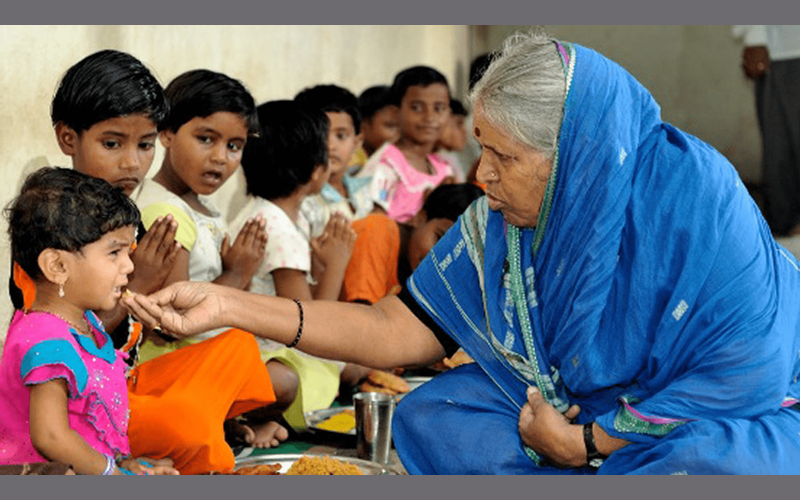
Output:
[[299, 327], [594, 458]]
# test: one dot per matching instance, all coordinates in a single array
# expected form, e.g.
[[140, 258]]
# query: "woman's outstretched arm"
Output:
[[384, 335]]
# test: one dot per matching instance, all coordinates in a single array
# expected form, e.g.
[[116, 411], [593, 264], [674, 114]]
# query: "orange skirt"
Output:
[[179, 401], [372, 271]]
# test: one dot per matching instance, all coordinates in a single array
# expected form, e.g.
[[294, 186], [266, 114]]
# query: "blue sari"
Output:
[[651, 293]]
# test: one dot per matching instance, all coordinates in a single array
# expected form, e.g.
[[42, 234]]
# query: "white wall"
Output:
[[274, 62]]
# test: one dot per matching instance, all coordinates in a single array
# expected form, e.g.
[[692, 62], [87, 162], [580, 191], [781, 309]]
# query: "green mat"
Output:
[[291, 447]]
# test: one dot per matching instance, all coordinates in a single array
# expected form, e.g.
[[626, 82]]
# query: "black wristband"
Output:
[[299, 327], [593, 457]]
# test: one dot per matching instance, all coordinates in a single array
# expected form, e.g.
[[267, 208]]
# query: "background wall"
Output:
[[693, 72]]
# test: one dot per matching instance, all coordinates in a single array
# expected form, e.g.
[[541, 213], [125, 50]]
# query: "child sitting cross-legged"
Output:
[[284, 165], [211, 117], [63, 392]]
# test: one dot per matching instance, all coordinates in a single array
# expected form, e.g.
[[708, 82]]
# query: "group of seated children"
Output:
[[345, 196]]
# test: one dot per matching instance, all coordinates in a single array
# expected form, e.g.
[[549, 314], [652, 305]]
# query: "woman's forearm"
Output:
[[384, 335]]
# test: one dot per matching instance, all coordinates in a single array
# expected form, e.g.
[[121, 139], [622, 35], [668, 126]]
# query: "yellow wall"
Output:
[[274, 62]]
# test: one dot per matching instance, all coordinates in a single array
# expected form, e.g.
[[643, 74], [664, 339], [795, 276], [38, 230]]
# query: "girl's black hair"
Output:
[[448, 201], [332, 98], [373, 100], [63, 209], [202, 93], [105, 85], [291, 144], [416, 75]]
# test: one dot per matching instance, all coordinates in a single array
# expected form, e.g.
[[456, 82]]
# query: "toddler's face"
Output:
[[119, 150], [342, 141], [206, 151], [424, 111], [384, 126], [101, 270]]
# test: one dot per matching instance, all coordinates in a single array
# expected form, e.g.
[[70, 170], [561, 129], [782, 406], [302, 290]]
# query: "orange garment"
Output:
[[179, 401], [372, 271], [26, 286]]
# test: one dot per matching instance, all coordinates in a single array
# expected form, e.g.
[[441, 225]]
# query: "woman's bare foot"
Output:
[[266, 435]]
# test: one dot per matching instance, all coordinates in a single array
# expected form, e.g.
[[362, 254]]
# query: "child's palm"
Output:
[[154, 256], [336, 242], [247, 251]]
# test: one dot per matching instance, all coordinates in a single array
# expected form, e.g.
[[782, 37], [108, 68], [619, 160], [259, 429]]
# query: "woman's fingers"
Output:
[[572, 412], [142, 308]]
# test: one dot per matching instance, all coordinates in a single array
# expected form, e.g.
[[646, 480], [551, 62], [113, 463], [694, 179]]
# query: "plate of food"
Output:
[[310, 465], [338, 421]]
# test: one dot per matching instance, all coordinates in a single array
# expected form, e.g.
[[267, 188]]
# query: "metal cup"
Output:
[[374, 425]]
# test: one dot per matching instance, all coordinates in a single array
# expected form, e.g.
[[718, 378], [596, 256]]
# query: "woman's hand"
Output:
[[182, 309], [150, 467], [154, 256], [551, 433], [241, 260]]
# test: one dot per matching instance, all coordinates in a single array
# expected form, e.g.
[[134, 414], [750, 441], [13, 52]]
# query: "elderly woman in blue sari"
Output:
[[625, 303]]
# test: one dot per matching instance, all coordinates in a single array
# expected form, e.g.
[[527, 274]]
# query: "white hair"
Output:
[[523, 91]]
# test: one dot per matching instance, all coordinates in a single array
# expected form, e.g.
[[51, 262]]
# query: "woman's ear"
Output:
[[53, 266], [67, 138]]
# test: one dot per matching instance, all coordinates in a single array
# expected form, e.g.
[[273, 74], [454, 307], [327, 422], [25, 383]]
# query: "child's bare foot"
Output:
[[266, 435]]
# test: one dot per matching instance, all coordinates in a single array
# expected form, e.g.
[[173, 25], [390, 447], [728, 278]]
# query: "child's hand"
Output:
[[150, 467], [244, 257], [335, 244], [154, 256]]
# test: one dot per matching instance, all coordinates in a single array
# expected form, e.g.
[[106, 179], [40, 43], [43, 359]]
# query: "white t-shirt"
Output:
[[287, 247]]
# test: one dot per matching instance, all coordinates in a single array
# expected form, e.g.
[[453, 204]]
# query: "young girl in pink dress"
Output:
[[406, 171], [63, 393]]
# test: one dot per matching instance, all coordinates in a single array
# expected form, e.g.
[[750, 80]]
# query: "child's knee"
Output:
[[285, 381]]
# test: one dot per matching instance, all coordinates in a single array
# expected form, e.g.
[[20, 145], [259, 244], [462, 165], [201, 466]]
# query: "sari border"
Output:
[[628, 419]]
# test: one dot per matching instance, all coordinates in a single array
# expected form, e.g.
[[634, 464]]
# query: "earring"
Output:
[[61, 289]]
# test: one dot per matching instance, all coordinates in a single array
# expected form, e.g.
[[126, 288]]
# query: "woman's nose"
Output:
[[484, 174]]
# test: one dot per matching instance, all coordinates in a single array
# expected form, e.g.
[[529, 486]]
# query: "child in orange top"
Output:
[[384, 258]]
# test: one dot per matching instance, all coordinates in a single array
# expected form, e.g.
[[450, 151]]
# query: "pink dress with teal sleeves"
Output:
[[41, 347]]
